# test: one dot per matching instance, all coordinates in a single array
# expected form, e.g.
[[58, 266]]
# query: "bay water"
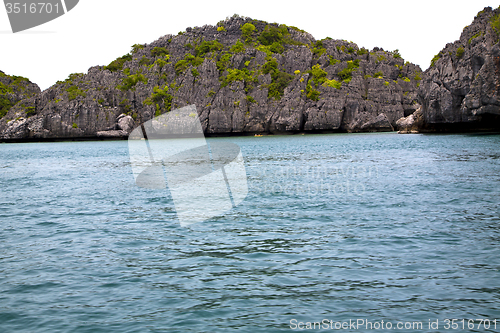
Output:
[[338, 227]]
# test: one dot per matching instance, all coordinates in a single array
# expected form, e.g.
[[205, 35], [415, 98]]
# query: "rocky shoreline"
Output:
[[250, 77]]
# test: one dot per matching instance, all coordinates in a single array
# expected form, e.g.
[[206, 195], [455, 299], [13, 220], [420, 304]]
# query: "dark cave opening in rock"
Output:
[[408, 112], [489, 122]]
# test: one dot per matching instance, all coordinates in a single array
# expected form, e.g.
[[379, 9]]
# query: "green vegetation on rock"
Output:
[[5, 105], [332, 83], [319, 49], [161, 98], [145, 61], [312, 93], [362, 51], [495, 23], [279, 79], [238, 47], [189, 60], [417, 76], [247, 32], [346, 73], [250, 99], [12, 89], [117, 64], [131, 81], [318, 74], [272, 35], [206, 47], [242, 75], [4, 89], [436, 58], [223, 62], [333, 61], [381, 58], [74, 92], [475, 36], [161, 62], [159, 52], [136, 48]]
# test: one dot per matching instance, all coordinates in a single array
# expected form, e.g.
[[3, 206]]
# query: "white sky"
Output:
[[97, 31]]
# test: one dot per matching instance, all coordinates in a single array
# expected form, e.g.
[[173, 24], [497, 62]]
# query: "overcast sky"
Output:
[[97, 31]]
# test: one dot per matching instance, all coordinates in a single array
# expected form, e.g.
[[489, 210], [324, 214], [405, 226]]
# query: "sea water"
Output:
[[335, 228]]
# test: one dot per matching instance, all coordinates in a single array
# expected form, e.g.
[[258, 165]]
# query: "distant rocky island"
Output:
[[250, 77]]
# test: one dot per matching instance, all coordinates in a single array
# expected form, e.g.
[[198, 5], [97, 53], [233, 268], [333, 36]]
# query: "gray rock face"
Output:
[[460, 90], [266, 79]]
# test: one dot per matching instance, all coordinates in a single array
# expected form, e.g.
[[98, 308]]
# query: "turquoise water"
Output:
[[370, 226]]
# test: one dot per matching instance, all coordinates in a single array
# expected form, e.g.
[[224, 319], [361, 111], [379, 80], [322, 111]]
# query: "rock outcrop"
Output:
[[461, 89], [411, 124], [244, 76]]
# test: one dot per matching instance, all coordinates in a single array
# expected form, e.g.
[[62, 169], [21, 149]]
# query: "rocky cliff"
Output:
[[461, 89], [243, 75]]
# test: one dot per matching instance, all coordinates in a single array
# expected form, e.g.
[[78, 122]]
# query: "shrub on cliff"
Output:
[[131, 81], [436, 58], [362, 51], [272, 34], [475, 36], [333, 84], [280, 80], [319, 49], [75, 92], [117, 64], [159, 52], [161, 98], [312, 93], [238, 47], [145, 61], [247, 32], [223, 62], [183, 64], [346, 73], [206, 47], [242, 75], [137, 47], [5, 105], [4, 89], [318, 74]]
